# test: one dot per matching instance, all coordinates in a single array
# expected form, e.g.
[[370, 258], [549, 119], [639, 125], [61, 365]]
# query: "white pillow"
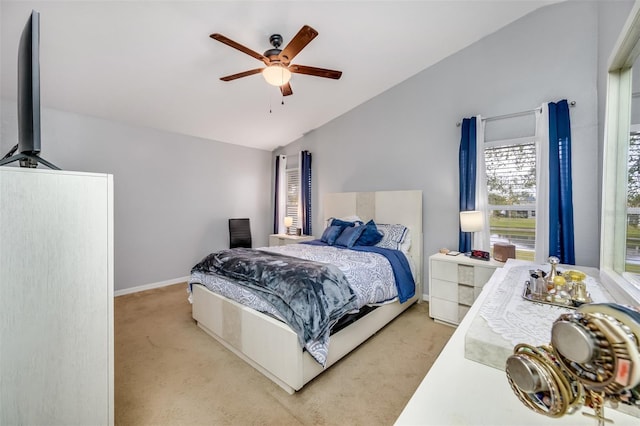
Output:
[[395, 237]]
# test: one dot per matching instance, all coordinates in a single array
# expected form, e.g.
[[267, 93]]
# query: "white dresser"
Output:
[[459, 391], [455, 283], [283, 239], [56, 297]]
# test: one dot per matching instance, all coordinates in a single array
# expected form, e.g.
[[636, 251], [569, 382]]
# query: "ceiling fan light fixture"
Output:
[[276, 75]]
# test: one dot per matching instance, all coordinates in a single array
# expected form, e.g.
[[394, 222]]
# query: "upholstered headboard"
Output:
[[403, 207]]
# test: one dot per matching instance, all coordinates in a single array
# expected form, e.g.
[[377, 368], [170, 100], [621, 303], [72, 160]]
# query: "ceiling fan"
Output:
[[278, 61]]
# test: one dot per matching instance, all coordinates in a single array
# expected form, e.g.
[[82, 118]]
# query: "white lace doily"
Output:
[[522, 321]]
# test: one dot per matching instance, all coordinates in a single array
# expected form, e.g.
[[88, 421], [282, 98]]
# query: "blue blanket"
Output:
[[405, 284], [310, 296]]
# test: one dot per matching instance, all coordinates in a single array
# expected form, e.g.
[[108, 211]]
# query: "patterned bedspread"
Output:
[[370, 276]]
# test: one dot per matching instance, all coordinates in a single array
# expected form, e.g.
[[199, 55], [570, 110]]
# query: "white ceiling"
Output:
[[152, 63]]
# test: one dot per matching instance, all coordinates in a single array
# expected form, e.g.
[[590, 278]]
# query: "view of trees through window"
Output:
[[632, 263], [511, 190]]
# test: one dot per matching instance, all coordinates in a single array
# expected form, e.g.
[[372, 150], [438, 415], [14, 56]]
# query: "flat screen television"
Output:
[[29, 130]]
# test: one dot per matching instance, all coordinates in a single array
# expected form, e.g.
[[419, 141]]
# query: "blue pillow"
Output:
[[330, 234], [370, 235], [342, 223], [349, 236]]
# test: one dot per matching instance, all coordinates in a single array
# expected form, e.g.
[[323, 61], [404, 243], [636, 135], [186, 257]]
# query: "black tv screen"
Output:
[[29, 87]]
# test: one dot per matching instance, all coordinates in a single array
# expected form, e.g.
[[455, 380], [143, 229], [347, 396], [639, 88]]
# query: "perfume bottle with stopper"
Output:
[[557, 284]]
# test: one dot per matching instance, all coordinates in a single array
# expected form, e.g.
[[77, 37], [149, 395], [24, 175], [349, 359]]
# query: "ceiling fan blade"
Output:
[[241, 74], [286, 90], [318, 72], [243, 49], [297, 43]]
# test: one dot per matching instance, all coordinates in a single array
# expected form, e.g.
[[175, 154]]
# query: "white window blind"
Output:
[[511, 191], [293, 191]]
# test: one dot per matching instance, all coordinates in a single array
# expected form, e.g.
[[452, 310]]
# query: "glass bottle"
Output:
[[553, 273]]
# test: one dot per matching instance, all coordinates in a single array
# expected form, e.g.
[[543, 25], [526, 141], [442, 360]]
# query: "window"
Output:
[[293, 191], [620, 180], [632, 255], [511, 192]]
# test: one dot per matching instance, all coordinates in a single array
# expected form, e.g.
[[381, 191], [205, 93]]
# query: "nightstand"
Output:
[[454, 284], [283, 239]]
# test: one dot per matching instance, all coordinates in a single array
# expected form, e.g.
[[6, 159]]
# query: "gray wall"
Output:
[[173, 193], [407, 138]]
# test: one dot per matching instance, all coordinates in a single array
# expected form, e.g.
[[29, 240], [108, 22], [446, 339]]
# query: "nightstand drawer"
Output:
[[466, 274], [444, 289], [462, 311], [444, 271], [482, 275], [444, 310], [466, 295]]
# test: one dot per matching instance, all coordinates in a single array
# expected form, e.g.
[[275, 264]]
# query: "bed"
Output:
[[273, 347]]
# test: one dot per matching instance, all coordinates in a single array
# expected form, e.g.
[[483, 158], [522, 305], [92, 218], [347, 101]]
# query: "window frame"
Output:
[[624, 286]]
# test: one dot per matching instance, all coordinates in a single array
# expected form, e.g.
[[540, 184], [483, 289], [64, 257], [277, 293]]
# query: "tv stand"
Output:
[[27, 160]]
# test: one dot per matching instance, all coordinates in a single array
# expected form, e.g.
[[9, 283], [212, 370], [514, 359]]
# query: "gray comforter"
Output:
[[310, 296]]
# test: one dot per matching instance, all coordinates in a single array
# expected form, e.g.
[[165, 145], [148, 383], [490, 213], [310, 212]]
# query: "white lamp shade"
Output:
[[471, 221], [276, 75], [288, 221]]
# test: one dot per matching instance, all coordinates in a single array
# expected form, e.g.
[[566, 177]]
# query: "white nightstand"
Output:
[[283, 239], [454, 284]]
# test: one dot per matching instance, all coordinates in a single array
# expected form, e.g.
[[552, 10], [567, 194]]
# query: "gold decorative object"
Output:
[[557, 288], [593, 359]]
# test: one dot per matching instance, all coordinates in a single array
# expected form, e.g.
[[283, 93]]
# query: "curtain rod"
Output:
[[514, 114]]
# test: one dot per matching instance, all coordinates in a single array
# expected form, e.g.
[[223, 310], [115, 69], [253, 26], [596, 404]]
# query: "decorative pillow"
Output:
[[330, 234], [344, 223], [370, 235], [393, 237], [349, 236], [406, 243]]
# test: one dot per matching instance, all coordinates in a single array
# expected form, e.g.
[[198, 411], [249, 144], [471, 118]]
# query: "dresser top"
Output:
[[466, 260]]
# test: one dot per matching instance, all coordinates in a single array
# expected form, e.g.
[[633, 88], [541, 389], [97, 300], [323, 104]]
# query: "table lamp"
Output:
[[471, 221], [288, 221]]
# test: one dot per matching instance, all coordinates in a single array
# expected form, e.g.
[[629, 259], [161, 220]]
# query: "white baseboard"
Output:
[[150, 286]]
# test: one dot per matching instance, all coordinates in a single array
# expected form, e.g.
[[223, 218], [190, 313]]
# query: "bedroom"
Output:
[[409, 130]]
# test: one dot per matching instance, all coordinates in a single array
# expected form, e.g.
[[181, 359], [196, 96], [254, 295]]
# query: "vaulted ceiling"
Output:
[[153, 64]]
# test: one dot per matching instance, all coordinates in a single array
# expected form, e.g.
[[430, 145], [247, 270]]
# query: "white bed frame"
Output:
[[271, 346]]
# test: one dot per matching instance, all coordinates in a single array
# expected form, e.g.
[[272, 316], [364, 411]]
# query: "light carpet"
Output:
[[170, 372]]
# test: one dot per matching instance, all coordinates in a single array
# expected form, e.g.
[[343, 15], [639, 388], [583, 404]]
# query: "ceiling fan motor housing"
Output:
[[276, 42]]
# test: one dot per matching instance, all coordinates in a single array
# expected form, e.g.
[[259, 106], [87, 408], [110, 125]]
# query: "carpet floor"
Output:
[[170, 372]]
